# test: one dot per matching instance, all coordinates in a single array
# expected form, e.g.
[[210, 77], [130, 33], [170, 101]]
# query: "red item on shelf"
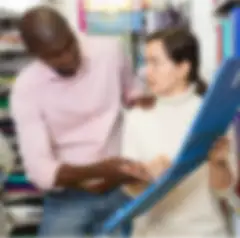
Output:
[[82, 16], [219, 43]]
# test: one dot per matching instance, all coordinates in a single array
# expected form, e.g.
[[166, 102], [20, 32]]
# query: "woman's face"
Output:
[[163, 75]]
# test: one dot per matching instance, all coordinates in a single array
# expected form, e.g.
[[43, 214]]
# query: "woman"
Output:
[[155, 135]]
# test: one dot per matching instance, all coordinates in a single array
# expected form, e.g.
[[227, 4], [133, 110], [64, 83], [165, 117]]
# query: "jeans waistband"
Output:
[[75, 192]]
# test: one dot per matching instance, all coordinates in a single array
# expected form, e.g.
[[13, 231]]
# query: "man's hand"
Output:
[[100, 186], [158, 166], [114, 172], [124, 169]]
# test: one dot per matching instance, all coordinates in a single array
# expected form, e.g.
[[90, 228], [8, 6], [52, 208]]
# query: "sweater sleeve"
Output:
[[229, 193], [35, 147], [130, 148]]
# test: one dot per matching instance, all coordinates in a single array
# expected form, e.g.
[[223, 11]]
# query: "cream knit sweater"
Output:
[[191, 209]]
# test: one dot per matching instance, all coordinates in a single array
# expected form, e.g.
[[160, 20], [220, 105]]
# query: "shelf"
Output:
[[25, 200], [8, 47], [27, 231], [11, 197], [22, 200]]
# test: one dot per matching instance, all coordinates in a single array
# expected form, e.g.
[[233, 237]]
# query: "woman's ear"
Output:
[[184, 69]]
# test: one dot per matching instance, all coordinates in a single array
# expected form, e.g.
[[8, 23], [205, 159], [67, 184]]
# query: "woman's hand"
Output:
[[220, 175], [158, 166]]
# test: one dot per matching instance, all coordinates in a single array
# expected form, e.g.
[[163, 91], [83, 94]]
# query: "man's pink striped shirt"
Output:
[[73, 120]]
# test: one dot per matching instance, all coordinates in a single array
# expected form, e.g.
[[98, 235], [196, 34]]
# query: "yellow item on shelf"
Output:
[[7, 80], [108, 5]]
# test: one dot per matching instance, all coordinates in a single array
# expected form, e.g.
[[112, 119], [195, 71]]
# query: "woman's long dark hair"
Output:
[[181, 45]]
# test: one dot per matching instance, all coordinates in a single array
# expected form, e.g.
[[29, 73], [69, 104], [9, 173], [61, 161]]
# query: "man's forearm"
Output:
[[70, 176]]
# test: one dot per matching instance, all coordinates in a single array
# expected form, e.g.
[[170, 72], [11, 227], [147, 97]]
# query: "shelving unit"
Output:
[[131, 21], [23, 202]]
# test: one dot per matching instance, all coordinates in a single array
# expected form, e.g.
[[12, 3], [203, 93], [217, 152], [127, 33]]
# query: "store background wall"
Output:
[[69, 8], [203, 24], [18, 6]]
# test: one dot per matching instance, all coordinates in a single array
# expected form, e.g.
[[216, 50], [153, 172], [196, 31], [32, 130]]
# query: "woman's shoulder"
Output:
[[197, 100], [136, 113], [147, 108], [139, 114]]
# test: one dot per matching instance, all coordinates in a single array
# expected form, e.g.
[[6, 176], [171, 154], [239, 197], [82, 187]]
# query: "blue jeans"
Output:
[[72, 213]]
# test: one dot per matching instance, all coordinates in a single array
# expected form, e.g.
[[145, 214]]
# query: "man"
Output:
[[67, 109]]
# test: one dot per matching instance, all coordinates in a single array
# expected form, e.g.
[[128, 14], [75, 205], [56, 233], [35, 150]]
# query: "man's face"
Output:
[[63, 56]]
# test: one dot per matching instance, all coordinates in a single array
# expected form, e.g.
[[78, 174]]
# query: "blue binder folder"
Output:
[[235, 25], [217, 112]]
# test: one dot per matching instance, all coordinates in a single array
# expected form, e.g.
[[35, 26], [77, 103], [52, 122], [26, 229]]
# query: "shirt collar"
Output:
[[183, 97], [52, 75]]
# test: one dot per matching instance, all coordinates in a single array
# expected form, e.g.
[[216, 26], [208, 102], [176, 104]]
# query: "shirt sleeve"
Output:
[[132, 86], [229, 193], [34, 141], [233, 158]]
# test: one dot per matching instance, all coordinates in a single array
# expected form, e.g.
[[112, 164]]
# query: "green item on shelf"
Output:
[[17, 179], [7, 81], [4, 103]]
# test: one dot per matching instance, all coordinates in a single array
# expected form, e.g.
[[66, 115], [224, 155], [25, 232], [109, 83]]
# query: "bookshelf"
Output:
[[22, 201], [131, 20]]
